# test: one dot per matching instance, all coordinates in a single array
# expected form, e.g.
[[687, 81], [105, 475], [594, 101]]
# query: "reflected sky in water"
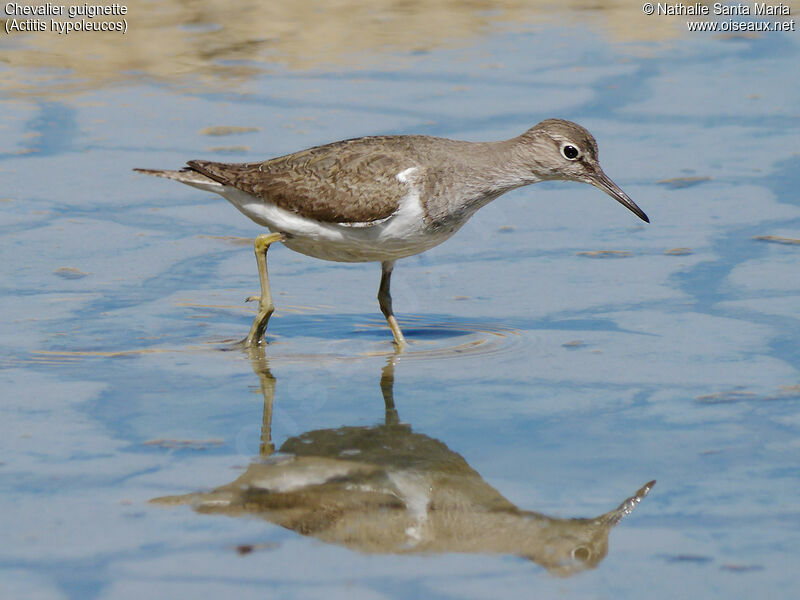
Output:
[[564, 351]]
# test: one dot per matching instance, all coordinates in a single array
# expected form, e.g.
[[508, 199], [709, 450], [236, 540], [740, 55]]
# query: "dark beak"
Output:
[[602, 181]]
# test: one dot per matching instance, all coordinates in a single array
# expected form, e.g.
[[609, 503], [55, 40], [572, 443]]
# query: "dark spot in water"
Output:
[[689, 558], [678, 183], [741, 568], [69, 273], [605, 253], [776, 239], [227, 130]]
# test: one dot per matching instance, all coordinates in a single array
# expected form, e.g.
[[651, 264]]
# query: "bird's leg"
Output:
[[385, 301], [265, 305]]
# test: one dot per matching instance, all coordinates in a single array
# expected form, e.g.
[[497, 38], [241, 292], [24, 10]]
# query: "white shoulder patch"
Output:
[[405, 176]]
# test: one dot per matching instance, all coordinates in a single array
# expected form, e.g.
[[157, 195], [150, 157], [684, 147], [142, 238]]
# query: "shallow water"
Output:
[[542, 369]]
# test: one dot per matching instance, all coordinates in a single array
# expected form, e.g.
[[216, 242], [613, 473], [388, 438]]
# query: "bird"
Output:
[[386, 197]]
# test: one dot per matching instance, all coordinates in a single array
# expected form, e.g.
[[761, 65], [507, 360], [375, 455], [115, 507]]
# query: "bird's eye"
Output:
[[581, 553], [570, 152]]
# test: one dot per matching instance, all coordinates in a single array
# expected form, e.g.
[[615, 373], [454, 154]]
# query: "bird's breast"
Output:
[[406, 232]]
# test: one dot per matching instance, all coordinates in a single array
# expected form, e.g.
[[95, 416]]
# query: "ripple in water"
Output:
[[427, 339], [334, 337]]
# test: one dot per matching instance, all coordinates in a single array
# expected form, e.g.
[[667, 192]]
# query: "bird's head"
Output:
[[564, 150]]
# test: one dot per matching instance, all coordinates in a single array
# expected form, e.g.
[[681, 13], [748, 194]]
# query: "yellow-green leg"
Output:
[[385, 301], [265, 305]]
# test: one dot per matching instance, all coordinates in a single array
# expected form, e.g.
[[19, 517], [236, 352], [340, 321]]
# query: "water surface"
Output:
[[563, 353]]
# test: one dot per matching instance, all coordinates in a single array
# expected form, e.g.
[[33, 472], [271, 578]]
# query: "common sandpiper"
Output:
[[382, 198]]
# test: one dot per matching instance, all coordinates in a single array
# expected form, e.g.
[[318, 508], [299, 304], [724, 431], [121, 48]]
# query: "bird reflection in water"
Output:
[[386, 489]]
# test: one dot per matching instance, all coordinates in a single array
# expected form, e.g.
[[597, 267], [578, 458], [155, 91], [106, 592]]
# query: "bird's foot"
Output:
[[259, 327], [400, 343]]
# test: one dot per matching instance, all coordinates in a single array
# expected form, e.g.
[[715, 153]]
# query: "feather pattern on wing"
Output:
[[352, 181]]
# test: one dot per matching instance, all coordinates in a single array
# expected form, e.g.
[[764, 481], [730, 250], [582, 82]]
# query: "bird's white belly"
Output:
[[402, 234]]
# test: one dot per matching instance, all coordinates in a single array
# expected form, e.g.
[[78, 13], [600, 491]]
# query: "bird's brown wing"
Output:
[[353, 181]]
